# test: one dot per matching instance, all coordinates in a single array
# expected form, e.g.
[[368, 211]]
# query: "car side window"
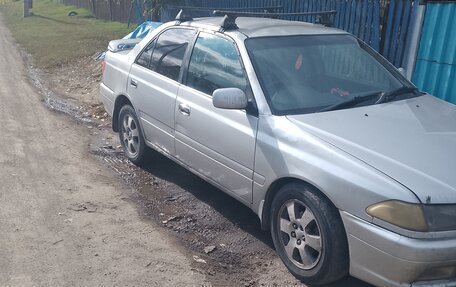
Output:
[[169, 52], [144, 58], [215, 64]]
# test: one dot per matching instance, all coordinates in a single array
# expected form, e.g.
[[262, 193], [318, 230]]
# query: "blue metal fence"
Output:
[[435, 69], [384, 24]]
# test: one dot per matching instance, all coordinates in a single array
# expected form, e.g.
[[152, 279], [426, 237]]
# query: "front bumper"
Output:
[[385, 258]]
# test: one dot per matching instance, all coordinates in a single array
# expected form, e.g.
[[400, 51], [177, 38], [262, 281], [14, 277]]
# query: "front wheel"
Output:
[[308, 235], [131, 137]]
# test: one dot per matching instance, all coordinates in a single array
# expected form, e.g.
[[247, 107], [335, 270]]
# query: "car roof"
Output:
[[263, 27]]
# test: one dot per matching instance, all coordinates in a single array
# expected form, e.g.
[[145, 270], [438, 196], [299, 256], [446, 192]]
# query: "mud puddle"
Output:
[[91, 114], [54, 102], [223, 236]]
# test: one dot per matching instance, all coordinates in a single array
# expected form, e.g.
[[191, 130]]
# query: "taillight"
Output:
[[103, 66]]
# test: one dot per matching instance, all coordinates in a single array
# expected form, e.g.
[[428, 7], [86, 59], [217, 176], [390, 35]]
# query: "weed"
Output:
[[54, 38]]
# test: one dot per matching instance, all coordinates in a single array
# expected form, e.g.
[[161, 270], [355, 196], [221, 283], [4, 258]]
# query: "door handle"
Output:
[[133, 83], [184, 109]]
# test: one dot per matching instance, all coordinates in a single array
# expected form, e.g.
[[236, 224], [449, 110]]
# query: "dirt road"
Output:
[[65, 220]]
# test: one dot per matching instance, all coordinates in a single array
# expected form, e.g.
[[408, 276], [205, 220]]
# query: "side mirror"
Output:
[[402, 71], [229, 98]]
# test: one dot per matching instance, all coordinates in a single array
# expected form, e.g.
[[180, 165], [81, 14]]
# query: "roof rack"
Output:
[[322, 16], [260, 8], [229, 15], [228, 23], [182, 16]]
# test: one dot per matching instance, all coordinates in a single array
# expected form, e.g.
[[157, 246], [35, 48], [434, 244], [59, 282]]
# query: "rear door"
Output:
[[153, 84], [217, 143]]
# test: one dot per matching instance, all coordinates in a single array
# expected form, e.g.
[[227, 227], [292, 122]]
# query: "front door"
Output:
[[217, 143]]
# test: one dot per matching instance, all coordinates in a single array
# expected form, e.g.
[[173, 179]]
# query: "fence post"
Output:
[[94, 9], [110, 10], [28, 8]]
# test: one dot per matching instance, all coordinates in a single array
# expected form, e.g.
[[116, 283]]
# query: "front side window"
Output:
[[169, 52], [311, 73], [215, 64]]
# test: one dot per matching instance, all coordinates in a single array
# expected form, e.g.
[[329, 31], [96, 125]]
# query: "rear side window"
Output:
[[169, 52], [215, 64], [146, 55]]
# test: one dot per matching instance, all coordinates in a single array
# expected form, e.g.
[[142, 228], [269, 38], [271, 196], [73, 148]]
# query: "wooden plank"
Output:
[[309, 4], [332, 6], [293, 9], [313, 8], [304, 7], [389, 28], [352, 16], [370, 12], [342, 15], [375, 43], [347, 15], [299, 9], [362, 29], [405, 28], [337, 16], [358, 17], [397, 25]]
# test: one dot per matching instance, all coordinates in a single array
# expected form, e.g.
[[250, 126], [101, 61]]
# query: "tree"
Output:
[[154, 8]]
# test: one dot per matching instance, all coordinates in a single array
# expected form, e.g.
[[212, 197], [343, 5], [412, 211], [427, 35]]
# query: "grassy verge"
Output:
[[54, 38]]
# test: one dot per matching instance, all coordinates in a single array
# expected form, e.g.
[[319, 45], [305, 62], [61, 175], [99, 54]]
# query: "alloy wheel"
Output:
[[300, 234], [130, 135]]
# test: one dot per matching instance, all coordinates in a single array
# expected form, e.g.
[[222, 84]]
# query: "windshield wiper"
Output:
[[352, 102], [387, 97], [382, 98]]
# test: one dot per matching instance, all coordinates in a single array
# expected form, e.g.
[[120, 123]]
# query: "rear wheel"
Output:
[[308, 234], [131, 137]]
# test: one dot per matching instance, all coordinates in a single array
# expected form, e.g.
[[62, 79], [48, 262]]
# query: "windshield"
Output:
[[308, 73]]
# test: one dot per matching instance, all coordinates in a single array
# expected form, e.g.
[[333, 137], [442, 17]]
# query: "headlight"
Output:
[[406, 215], [416, 217]]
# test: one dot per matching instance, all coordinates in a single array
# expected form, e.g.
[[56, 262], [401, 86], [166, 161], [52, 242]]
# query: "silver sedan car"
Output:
[[351, 168]]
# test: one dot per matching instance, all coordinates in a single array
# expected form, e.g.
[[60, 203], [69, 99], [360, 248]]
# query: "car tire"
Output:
[[131, 136], [309, 235]]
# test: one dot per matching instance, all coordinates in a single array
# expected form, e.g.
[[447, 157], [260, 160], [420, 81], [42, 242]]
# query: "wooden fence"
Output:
[[385, 25], [115, 10]]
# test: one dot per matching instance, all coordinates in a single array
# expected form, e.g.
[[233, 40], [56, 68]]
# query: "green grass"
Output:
[[54, 38]]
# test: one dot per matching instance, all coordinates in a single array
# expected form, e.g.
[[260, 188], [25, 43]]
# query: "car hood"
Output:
[[412, 141]]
